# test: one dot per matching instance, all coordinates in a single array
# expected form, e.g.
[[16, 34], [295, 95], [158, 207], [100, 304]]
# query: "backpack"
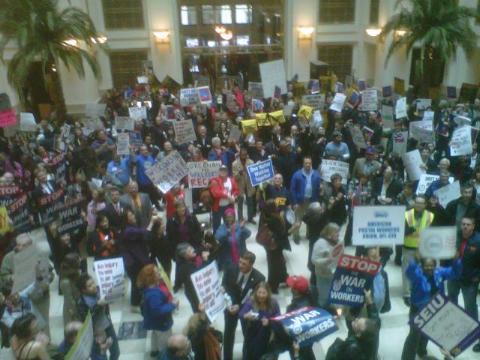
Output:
[[335, 351]]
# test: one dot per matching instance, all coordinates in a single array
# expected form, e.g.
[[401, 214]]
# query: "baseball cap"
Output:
[[298, 283], [223, 167]]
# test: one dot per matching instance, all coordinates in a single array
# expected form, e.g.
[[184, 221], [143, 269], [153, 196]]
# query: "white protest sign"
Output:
[[369, 100], [316, 101], [110, 274], [273, 75], [184, 131], [422, 131], [448, 193], [137, 113], [425, 181], [24, 263], [357, 137], [142, 80], [330, 167], [412, 161], [428, 116], [188, 96], [462, 120], [338, 102], [399, 142], [387, 117], [438, 242], [207, 285], [82, 347], [401, 108], [123, 144], [200, 173], [461, 142], [378, 225], [124, 123], [27, 122], [95, 110], [168, 172], [423, 104]]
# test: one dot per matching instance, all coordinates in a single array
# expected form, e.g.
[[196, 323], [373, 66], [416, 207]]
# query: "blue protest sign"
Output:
[[447, 325], [260, 172], [352, 276], [307, 325]]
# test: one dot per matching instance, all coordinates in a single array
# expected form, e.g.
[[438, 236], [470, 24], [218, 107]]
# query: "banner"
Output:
[[273, 76], [200, 173], [19, 212], [448, 193], [422, 131], [50, 204], [123, 143], [168, 172], [82, 347], [27, 122], [110, 274], [330, 167], [70, 217], [447, 325], [352, 276], [378, 225], [316, 101], [255, 89], [461, 142], [124, 123], [412, 161], [307, 325], [184, 131], [137, 113], [204, 95], [208, 287], [438, 242], [59, 168], [277, 117], [369, 100], [260, 172], [401, 108], [188, 97], [249, 126], [399, 139], [338, 102]]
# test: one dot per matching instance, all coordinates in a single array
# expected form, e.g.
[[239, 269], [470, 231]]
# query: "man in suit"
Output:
[[114, 210], [238, 282], [140, 204], [386, 188], [203, 141]]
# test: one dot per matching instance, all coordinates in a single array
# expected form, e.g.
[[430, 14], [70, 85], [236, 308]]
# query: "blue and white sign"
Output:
[[307, 325], [260, 172], [447, 325]]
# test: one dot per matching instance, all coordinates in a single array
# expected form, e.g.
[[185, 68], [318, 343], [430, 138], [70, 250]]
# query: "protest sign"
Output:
[[422, 131], [94, 111], [110, 274], [401, 108], [378, 225], [462, 120], [8, 194], [314, 86], [207, 285], [59, 167], [82, 347], [123, 143], [70, 217], [204, 95], [136, 140], [137, 113], [352, 276], [19, 213], [399, 142], [249, 126], [447, 325], [305, 112], [24, 263], [330, 167], [307, 325], [184, 131], [423, 104], [399, 86], [425, 181], [273, 76], [255, 89], [461, 142], [412, 161], [438, 242], [448, 193], [387, 117], [428, 116], [260, 172], [357, 137], [168, 172], [316, 101], [277, 117], [142, 80], [338, 102], [188, 97], [124, 123], [7, 118], [200, 173], [27, 122], [369, 100], [50, 204], [387, 91]]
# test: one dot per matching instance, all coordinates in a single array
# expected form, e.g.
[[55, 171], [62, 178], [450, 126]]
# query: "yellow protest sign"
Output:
[[306, 112], [277, 117], [249, 126], [263, 120]]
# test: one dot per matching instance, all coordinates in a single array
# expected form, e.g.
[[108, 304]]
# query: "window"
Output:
[[123, 14], [224, 14], [374, 10], [243, 40], [192, 42], [188, 15], [337, 11], [208, 14], [243, 14], [338, 58], [126, 66]]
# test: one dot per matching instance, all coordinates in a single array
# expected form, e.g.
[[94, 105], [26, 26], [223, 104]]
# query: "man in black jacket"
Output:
[[465, 204], [238, 282]]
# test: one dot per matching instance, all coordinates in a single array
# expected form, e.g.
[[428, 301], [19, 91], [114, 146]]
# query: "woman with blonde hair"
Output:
[[326, 252], [255, 316]]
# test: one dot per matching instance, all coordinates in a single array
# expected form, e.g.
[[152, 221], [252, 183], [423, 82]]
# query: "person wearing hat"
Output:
[[368, 165], [337, 149], [224, 192]]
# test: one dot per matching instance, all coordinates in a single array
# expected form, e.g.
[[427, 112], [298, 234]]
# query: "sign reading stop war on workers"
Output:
[[447, 325], [331, 167], [461, 143], [352, 276], [260, 172], [200, 173], [378, 225], [208, 287], [110, 274], [438, 242], [307, 325], [168, 172], [19, 213], [70, 217], [184, 131], [50, 204], [59, 167]]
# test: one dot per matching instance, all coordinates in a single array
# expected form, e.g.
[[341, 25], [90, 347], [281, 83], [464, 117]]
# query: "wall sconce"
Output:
[[400, 33], [71, 42], [162, 36], [373, 32], [305, 32]]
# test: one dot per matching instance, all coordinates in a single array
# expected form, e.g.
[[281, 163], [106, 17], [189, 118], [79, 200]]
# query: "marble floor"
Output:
[[394, 324]]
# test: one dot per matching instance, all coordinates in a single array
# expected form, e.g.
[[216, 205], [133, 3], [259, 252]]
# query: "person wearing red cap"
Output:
[[224, 192]]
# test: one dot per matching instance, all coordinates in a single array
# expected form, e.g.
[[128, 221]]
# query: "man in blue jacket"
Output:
[[305, 188]]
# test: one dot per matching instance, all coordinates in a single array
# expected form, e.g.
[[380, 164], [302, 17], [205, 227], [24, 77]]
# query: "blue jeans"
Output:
[[469, 292]]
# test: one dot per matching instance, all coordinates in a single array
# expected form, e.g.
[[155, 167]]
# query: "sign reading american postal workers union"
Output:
[[260, 172]]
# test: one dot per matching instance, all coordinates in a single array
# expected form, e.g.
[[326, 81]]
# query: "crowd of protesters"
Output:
[[124, 214]]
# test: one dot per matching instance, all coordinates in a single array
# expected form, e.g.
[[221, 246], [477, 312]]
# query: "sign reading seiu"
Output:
[[260, 172]]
